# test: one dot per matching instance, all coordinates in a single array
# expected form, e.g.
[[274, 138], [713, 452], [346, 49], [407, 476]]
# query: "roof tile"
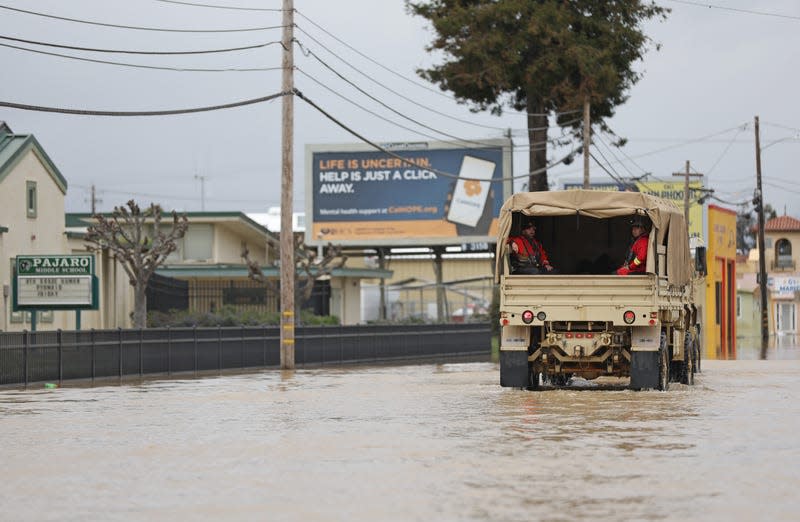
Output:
[[782, 224]]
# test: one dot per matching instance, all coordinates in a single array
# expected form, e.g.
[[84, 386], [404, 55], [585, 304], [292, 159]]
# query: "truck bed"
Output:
[[586, 297]]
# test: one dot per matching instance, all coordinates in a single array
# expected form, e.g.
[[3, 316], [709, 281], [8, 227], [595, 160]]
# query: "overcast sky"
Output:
[[720, 64]]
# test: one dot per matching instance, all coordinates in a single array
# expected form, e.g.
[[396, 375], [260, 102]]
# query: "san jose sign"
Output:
[[55, 282]]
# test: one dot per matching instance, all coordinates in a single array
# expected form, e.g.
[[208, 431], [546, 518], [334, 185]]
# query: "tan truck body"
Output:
[[589, 322]]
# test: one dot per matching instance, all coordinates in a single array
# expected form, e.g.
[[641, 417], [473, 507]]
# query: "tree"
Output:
[[309, 268], [545, 57], [138, 241]]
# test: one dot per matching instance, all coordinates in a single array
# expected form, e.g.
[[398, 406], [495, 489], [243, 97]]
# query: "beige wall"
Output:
[[41, 235], [346, 299]]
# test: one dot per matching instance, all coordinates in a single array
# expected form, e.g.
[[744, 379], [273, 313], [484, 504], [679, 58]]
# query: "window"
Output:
[[198, 242], [783, 253], [30, 198], [738, 307]]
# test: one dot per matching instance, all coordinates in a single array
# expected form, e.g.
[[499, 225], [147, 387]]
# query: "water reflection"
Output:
[[783, 346]]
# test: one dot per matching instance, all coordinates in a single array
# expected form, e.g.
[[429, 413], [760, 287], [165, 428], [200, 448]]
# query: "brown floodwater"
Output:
[[408, 443]]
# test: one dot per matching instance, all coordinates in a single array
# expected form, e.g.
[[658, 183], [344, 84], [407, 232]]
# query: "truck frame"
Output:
[[585, 320]]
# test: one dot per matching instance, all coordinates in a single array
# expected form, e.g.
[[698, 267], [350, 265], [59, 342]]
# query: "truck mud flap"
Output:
[[514, 368], [644, 370]]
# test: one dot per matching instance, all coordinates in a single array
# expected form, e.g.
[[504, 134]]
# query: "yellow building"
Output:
[[719, 322]]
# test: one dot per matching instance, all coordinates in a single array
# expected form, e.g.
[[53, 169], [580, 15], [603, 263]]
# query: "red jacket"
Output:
[[529, 253], [637, 257]]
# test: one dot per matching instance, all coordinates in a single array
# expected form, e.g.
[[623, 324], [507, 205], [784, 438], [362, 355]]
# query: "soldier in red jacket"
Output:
[[636, 261], [527, 253]]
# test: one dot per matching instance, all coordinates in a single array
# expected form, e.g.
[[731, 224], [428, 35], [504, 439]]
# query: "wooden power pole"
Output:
[[587, 138], [686, 175], [762, 263], [287, 188]]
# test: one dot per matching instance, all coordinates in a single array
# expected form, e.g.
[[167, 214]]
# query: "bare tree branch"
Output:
[[126, 235]]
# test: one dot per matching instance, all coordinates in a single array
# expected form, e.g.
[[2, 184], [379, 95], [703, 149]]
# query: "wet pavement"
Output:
[[418, 442]]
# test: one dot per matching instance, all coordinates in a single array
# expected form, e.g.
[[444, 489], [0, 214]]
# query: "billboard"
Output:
[[428, 193]]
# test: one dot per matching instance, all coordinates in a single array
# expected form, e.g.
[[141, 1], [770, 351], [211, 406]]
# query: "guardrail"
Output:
[[56, 356]]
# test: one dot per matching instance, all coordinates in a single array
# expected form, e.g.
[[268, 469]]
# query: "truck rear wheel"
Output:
[[533, 378], [687, 365], [663, 366]]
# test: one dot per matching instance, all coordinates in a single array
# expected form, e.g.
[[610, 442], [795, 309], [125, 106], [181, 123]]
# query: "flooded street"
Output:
[[427, 442]]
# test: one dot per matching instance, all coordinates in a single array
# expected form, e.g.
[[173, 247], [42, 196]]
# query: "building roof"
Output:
[[14, 146], [782, 224], [78, 222]]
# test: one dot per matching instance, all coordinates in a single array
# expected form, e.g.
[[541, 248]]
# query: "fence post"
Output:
[[60, 357], [25, 356], [141, 341], [94, 362], [119, 350], [241, 352], [219, 350], [169, 351], [194, 329], [264, 346]]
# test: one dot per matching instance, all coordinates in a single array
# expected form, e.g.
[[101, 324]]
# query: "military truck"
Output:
[[584, 320]]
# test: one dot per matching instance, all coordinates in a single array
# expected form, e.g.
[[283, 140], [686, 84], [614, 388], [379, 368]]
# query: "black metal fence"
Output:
[[56, 356]]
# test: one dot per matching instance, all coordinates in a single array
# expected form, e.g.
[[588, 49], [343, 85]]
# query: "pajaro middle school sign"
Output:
[[57, 282]]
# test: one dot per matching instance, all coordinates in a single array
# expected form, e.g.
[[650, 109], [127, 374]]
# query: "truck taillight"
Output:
[[527, 317], [628, 316]]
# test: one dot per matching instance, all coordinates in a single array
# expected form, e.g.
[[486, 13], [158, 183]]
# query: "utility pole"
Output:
[[94, 200], [287, 188], [762, 263], [587, 138], [202, 191], [686, 175]]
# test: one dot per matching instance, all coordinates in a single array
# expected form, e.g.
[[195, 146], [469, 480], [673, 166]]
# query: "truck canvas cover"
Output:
[[573, 224]]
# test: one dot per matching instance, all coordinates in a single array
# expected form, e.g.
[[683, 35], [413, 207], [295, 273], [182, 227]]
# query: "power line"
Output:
[[610, 150], [403, 77], [222, 6], [140, 66], [734, 9], [724, 152], [138, 28], [308, 52], [365, 93], [117, 51], [405, 160], [89, 112], [340, 95]]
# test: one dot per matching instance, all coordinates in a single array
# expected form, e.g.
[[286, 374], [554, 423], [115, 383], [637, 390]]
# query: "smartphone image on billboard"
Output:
[[469, 196]]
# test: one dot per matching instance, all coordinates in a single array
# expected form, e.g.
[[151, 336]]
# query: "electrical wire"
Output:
[[405, 160], [117, 51], [192, 4], [373, 98], [724, 152], [615, 175], [340, 95], [88, 112], [745, 11], [140, 66], [138, 28], [308, 52], [404, 77], [611, 151]]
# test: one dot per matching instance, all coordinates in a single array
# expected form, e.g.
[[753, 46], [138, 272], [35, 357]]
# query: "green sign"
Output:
[[55, 265], [58, 282]]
